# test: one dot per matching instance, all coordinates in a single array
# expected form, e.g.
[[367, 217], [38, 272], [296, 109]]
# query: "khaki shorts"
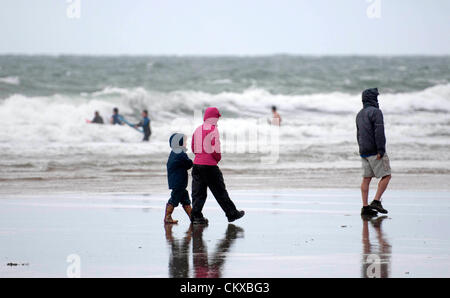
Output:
[[372, 167]]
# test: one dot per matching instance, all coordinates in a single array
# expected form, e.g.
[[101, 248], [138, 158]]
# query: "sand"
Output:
[[290, 233]]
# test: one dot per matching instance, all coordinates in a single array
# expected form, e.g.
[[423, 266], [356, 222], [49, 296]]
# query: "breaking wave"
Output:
[[319, 118]]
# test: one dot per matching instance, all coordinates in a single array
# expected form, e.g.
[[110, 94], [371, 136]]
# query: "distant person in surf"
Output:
[[276, 118], [145, 124], [116, 118], [372, 148], [205, 173], [97, 118], [178, 165]]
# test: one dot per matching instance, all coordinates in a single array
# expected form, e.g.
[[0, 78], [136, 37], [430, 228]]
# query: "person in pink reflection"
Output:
[[205, 172]]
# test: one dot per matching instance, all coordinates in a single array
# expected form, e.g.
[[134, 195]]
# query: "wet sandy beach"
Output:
[[291, 233]]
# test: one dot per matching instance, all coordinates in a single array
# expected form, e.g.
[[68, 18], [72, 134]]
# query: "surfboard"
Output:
[[121, 118]]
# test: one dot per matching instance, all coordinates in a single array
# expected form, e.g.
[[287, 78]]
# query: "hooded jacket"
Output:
[[178, 163], [206, 140], [370, 126]]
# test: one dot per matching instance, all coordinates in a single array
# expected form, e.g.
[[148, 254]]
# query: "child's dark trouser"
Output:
[[211, 177], [179, 196]]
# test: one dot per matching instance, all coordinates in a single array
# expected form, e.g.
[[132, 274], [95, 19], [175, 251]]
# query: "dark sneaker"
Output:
[[367, 212], [199, 221], [376, 205], [236, 216]]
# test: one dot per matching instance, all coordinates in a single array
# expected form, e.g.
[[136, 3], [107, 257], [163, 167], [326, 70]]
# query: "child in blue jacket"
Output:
[[177, 176]]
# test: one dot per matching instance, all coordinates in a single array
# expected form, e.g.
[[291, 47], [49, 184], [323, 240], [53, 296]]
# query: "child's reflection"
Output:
[[376, 258], [179, 253]]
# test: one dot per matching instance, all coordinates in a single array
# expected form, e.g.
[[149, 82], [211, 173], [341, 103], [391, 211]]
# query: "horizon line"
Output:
[[223, 55]]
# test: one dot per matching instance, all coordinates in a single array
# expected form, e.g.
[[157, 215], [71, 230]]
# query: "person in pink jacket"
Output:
[[205, 172]]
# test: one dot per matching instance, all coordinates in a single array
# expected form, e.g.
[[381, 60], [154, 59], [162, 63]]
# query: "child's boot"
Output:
[[168, 218], [188, 210]]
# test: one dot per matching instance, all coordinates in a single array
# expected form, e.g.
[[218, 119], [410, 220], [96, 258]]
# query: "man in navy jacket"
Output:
[[372, 148]]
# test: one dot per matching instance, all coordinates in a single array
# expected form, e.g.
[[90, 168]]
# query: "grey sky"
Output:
[[243, 27]]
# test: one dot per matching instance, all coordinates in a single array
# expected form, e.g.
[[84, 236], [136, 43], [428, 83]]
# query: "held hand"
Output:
[[378, 156]]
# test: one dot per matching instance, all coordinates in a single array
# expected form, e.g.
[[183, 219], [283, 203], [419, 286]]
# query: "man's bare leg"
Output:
[[365, 190], [382, 185]]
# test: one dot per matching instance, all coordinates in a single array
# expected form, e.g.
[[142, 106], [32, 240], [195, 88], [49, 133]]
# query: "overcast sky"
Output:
[[225, 27]]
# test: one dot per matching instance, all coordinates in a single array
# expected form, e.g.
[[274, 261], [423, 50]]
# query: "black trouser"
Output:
[[204, 177]]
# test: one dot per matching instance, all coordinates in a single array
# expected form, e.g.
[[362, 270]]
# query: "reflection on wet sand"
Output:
[[179, 253], [376, 258], [204, 267]]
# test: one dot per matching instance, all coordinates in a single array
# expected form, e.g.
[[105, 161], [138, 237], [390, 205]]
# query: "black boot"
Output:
[[376, 205], [236, 216], [367, 212], [199, 220]]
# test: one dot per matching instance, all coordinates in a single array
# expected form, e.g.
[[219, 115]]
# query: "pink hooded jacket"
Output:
[[206, 140]]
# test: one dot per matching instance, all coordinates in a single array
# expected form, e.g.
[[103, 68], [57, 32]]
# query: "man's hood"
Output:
[[212, 115], [370, 98]]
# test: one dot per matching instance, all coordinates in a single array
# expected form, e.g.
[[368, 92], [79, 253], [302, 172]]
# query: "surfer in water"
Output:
[[145, 124], [116, 118], [276, 118], [97, 118]]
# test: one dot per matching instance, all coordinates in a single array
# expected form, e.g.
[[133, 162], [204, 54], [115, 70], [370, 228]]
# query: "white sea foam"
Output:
[[10, 80], [51, 133], [319, 117]]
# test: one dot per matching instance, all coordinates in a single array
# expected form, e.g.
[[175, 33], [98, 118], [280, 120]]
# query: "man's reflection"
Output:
[[212, 268], [204, 267], [376, 257]]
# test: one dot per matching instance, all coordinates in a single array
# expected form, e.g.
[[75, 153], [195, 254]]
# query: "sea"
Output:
[[47, 145]]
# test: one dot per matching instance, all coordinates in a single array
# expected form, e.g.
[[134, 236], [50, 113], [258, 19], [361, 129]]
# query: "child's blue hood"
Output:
[[176, 142]]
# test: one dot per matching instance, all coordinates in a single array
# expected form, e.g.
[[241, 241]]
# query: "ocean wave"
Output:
[[10, 80], [252, 102], [312, 119]]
